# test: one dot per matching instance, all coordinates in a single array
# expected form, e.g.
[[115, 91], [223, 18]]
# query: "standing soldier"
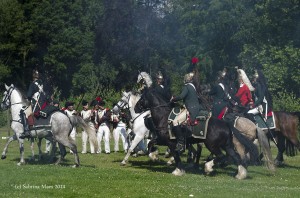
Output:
[[119, 128], [37, 97], [86, 115], [70, 112], [104, 118]]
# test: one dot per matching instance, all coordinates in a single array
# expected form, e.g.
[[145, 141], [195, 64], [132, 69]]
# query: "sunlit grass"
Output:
[[102, 176]]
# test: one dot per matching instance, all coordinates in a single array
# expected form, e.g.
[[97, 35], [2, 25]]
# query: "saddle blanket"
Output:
[[198, 131], [264, 124]]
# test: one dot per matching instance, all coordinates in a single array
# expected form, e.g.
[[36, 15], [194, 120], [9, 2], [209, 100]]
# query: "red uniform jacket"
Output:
[[244, 95]]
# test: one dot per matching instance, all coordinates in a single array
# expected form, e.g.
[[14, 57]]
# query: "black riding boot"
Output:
[[26, 133], [180, 138]]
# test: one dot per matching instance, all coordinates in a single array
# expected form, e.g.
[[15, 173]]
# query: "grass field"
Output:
[[100, 175]]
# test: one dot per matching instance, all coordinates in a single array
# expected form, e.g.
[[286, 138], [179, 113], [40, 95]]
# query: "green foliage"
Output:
[[286, 102], [96, 45]]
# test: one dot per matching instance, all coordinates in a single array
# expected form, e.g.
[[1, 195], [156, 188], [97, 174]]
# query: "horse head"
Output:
[[6, 101]]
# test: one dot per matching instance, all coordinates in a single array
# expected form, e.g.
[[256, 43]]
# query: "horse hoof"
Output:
[[75, 166], [123, 163], [3, 157], [278, 163], [208, 167], [242, 173], [171, 161], [178, 172], [153, 156], [21, 163]]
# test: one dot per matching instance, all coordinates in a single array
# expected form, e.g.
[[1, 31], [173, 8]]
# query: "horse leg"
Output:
[[40, 150], [265, 147], [197, 156], [134, 143], [153, 153], [10, 139], [63, 153], [281, 148], [242, 171], [21, 146], [32, 149], [179, 171]]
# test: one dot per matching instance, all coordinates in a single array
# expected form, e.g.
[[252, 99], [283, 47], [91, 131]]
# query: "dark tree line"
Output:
[[98, 46]]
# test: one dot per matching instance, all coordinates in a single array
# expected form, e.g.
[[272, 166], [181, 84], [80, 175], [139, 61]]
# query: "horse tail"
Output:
[[78, 121], [266, 150], [249, 145]]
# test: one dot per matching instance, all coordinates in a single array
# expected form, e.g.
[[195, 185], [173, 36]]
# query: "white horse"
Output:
[[129, 99], [59, 127]]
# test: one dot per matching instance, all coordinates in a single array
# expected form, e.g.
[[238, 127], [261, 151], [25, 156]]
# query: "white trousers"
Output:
[[85, 138], [120, 130], [103, 131], [73, 136]]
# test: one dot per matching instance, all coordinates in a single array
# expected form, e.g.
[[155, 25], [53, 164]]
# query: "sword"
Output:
[[260, 115]]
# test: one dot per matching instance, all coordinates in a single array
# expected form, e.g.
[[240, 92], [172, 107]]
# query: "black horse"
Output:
[[219, 136]]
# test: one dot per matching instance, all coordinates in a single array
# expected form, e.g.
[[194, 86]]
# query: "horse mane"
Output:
[[146, 77], [22, 94]]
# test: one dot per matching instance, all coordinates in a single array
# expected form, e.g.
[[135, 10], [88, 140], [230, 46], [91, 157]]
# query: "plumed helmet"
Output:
[[159, 75], [35, 74], [188, 77], [242, 75], [145, 78], [222, 74]]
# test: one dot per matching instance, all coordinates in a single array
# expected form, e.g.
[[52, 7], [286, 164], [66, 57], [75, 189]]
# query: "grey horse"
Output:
[[59, 127]]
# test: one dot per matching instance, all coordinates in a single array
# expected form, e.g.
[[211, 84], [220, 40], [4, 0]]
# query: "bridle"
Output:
[[7, 96], [124, 102]]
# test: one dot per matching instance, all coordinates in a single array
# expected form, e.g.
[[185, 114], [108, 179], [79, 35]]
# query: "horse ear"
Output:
[[6, 87]]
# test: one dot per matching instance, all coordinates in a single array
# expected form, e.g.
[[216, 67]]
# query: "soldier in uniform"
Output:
[[37, 96], [86, 115], [119, 128], [104, 119], [70, 111], [243, 95], [262, 97], [191, 102], [220, 95]]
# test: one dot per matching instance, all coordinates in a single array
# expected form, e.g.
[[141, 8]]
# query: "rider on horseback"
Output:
[[37, 96], [262, 97], [191, 102], [221, 95]]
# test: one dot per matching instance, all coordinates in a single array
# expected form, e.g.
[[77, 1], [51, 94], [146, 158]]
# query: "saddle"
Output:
[[197, 128], [43, 118]]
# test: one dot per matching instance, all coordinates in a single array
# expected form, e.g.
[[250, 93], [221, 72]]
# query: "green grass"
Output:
[[102, 176]]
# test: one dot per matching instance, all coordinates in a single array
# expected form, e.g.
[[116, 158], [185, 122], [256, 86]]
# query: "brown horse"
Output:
[[286, 134]]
